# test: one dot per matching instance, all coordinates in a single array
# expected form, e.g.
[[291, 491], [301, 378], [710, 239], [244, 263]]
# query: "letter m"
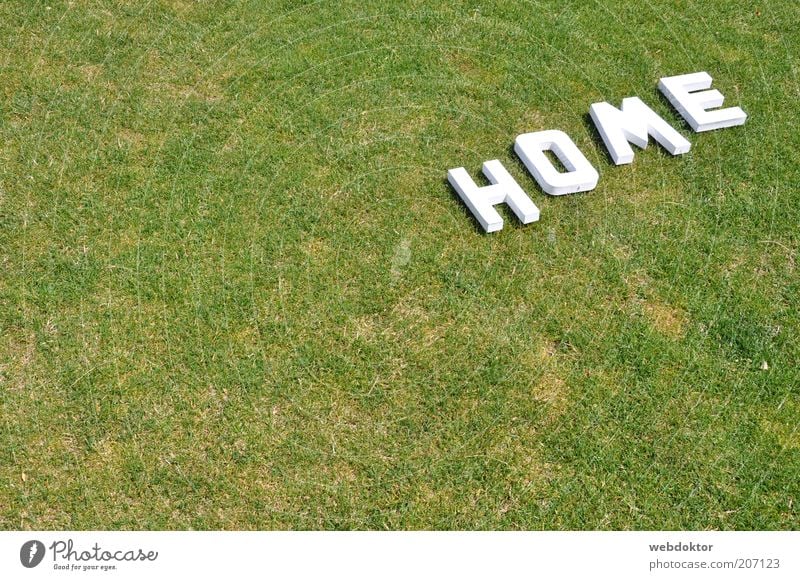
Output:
[[633, 123]]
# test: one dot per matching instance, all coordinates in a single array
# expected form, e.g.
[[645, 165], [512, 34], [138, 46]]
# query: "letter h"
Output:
[[481, 200]]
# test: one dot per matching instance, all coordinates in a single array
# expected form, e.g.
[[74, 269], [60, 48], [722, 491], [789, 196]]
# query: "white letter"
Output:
[[686, 94], [480, 200], [581, 176], [633, 124]]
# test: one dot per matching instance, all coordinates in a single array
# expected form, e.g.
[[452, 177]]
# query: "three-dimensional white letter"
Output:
[[633, 123], [580, 175], [687, 95], [481, 200]]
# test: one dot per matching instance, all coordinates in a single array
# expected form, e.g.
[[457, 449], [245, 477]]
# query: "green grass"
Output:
[[237, 291]]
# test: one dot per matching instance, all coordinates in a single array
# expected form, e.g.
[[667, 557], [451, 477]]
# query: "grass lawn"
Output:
[[238, 292]]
